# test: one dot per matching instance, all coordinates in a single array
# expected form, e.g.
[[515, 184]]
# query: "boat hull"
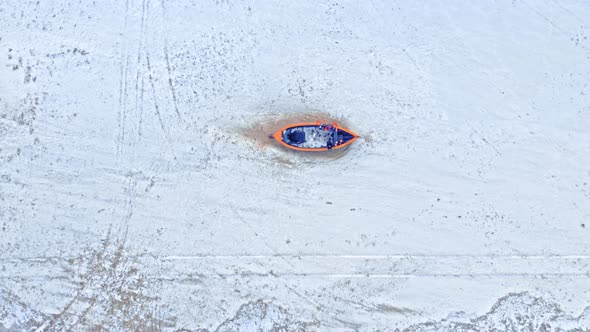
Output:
[[313, 137]]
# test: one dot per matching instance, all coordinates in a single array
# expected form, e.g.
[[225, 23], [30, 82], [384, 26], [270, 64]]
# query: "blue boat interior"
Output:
[[315, 137]]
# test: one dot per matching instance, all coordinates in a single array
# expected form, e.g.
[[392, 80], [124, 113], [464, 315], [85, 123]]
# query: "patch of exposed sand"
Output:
[[260, 134]]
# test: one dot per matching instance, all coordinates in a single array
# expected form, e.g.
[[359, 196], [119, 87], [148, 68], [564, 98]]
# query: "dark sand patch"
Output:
[[266, 125], [386, 308]]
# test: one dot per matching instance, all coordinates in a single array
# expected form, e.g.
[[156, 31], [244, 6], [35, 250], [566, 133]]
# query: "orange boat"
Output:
[[310, 136]]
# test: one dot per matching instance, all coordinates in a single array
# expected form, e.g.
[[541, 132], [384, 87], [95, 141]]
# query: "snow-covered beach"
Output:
[[137, 191]]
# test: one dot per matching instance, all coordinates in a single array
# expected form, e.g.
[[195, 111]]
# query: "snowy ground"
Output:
[[129, 198]]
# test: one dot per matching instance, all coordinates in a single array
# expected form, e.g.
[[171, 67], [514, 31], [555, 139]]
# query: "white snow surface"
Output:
[[130, 200]]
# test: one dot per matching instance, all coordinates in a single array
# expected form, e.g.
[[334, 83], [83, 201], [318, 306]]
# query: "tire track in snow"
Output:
[[44, 259], [157, 108], [170, 84], [138, 87], [123, 87], [182, 268]]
